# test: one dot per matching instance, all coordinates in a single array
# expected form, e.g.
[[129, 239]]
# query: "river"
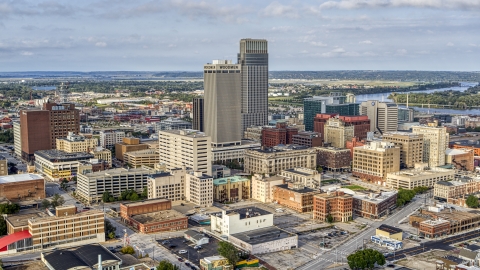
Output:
[[384, 97]]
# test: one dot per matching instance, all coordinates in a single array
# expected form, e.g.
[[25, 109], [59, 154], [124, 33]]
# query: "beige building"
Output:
[[231, 189], [383, 115], [305, 176], [147, 157], [274, 160], [169, 185], [262, 187], [336, 133], [372, 162], [3, 166], [435, 144], [76, 143], [199, 188], [190, 148], [420, 177], [103, 154], [17, 138], [222, 102], [109, 138], [456, 189], [66, 228], [129, 144], [411, 147]]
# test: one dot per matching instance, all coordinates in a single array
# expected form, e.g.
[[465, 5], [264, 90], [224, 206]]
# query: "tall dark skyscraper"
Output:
[[198, 113], [253, 58]]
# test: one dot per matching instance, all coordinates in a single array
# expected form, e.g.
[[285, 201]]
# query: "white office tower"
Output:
[[383, 115]]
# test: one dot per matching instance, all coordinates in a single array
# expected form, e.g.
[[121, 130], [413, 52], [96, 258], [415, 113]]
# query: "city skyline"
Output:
[[180, 34]]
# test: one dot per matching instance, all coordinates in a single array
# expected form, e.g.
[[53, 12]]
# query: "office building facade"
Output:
[[199, 188], [411, 147], [274, 160], [169, 185], [372, 162], [108, 139], [222, 100], [253, 58], [435, 144], [198, 114], [383, 116]]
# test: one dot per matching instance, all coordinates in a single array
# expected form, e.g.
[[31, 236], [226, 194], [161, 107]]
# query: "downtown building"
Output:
[[435, 144], [108, 139], [335, 205], [374, 161], [383, 116], [39, 129], [411, 147], [360, 124]]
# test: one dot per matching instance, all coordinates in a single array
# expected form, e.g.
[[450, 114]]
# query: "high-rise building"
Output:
[[198, 114], [411, 147], [383, 115], [17, 138], [40, 129], [199, 188], [360, 123], [108, 139], [373, 161], [435, 144], [253, 58], [189, 148], [222, 100], [337, 133], [333, 104]]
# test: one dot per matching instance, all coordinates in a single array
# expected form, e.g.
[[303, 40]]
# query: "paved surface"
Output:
[[339, 254]]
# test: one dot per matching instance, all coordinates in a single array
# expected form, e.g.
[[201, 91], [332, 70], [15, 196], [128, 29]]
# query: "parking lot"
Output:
[[192, 254]]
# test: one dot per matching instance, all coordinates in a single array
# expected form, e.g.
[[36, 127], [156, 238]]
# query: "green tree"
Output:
[[6, 208], [145, 192], [57, 200], [128, 250], [134, 197], [106, 196], [3, 226], [329, 218], [404, 196], [109, 229], [166, 265], [365, 259], [45, 203], [472, 201], [111, 235], [228, 251]]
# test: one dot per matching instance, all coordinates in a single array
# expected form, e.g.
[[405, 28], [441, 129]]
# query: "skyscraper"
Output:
[[435, 144], [253, 58], [222, 102], [198, 119], [383, 115]]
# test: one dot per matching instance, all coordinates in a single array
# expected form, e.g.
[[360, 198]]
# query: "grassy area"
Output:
[[355, 187], [346, 82]]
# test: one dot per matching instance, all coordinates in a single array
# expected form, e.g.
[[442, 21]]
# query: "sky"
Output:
[[174, 35]]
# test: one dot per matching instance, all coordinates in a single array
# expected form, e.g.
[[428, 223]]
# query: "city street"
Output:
[[339, 254]]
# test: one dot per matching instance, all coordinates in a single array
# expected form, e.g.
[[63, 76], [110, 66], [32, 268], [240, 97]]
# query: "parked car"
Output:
[[180, 259], [172, 246], [197, 247], [183, 251], [165, 242], [118, 247], [187, 264]]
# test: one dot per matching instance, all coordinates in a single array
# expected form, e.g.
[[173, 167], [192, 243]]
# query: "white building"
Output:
[[189, 148], [305, 176], [169, 185], [17, 138], [233, 152], [419, 177], [262, 187], [199, 188], [435, 144], [265, 240], [109, 138], [55, 164], [241, 220]]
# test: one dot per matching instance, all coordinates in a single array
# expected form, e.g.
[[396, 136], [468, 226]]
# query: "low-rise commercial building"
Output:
[[295, 196], [240, 220], [389, 232], [82, 257], [274, 160], [199, 188], [76, 143], [307, 138], [262, 187], [305, 176], [152, 216], [336, 206], [374, 161], [234, 152], [91, 186], [147, 157], [374, 205], [265, 240], [231, 189], [463, 144], [461, 159], [128, 144], [280, 134], [169, 185], [420, 177], [434, 228], [104, 154], [333, 159], [455, 189], [459, 221], [26, 186], [56, 164]]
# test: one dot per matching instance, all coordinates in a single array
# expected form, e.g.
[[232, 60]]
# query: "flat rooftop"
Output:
[[158, 216], [144, 202], [300, 171], [421, 172], [283, 148], [301, 190], [232, 179], [263, 235], [118, 171], [55, 155], [252, 212], [186, 132], [377, 198], [13, 178], [389, 229], [20, 220], [83, 256]]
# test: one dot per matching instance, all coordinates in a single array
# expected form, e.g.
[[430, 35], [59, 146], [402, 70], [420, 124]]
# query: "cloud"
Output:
[[434, 4], [365, 42], [450, 44], [401, 52], [26, 53], [318, 44], [101, 44], [275, 9]]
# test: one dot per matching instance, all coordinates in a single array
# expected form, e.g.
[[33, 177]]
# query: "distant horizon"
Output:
[[286, 70]]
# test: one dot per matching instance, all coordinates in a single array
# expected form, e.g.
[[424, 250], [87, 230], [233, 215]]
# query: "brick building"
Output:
[[280, 134], [336, 204], [295, 196], [361, 124], [355, 142], [22, 187], [434, 228], [152, 216], [466, 144], [39, 129], [307, 138], [333, 159], [462, 159], [459, 220], [129, 144], [374, 206], [319, 123]]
